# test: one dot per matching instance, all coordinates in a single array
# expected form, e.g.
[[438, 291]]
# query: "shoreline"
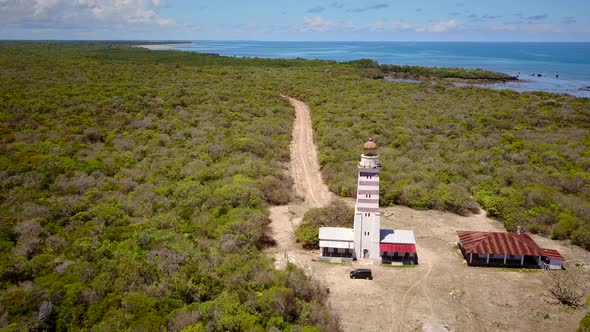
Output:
[[161, 46], [463, 80], [548, 82]]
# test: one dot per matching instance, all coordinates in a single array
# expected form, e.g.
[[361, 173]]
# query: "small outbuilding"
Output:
[[336, 242], [399, 246], [506, 250], [552, 259]]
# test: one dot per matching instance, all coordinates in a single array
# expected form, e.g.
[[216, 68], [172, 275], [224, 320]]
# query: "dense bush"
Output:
[[134, 192], [336, 214], [372, 69]]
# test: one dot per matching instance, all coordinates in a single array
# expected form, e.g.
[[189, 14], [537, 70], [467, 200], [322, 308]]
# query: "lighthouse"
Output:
[[367, 218], [366, 241]]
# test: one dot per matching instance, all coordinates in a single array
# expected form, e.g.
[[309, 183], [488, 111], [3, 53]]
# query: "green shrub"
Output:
[[336, 214], [581, 236], [564, 227], [585, 324]]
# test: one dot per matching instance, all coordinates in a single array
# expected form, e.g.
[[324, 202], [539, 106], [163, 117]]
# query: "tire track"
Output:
[[305, 168], [418, 282]]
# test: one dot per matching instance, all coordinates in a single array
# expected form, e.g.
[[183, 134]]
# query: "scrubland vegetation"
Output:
[[134, 194], [135, 183], [373, 69]]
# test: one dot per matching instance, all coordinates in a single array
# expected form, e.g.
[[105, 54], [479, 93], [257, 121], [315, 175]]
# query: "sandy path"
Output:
[[305, 171], [305, 168]]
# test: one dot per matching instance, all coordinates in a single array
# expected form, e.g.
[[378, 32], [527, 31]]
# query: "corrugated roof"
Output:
[[399, 236], [501, 243], [552, 253], [390, 247], [336, 233]]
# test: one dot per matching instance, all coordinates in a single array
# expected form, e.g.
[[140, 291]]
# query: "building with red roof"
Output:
[[506, 249]]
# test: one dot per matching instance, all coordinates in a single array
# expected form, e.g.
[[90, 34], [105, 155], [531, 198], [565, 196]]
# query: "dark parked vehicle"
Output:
[[361, 274]]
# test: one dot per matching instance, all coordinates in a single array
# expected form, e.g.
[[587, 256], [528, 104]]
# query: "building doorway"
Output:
[[366, 253]]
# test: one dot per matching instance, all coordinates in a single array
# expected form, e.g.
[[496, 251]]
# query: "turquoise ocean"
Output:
[[550, 67]]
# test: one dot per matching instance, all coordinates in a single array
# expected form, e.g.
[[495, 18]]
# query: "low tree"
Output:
[[568, 286], [336, 214]]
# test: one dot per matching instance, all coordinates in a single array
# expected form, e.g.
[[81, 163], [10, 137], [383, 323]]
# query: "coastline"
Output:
[[532, 74], [460, 80], [161, 46]]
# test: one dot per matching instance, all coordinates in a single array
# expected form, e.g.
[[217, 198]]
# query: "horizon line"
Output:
[[291, 41]]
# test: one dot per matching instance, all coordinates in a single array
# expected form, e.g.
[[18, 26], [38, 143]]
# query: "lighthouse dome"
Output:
[[370, 159], [370, 145]]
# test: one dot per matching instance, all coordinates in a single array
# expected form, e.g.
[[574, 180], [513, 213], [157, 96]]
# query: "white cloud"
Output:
[[378, 26], [321, 24], [87, 15], [503, 27], [317, 23], [442, 26], [541, 28], [524, 27], [402, 25]]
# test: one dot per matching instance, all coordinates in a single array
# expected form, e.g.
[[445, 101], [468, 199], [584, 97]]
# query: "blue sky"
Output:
[[440, 20]]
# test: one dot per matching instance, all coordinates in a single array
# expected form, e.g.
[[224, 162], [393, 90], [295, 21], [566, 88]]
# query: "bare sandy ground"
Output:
[[305, 168], [442, 293]]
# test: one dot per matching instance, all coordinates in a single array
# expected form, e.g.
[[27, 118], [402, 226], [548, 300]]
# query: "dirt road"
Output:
[[442, 293], [305, 168], [305, 171]]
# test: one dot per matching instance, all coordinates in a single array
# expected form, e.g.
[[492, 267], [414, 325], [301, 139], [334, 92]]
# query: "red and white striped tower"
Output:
[[367, 218]]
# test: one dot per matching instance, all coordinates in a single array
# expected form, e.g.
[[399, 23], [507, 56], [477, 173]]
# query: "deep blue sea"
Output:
[[565, 67]]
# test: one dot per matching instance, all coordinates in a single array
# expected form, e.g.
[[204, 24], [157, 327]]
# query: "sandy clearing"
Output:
[[424, 260], [442, 293]]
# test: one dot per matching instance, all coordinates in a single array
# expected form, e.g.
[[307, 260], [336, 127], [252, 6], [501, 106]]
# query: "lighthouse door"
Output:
[[366, 253]]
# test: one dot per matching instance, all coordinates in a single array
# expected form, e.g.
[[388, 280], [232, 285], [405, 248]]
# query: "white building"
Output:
[[336, 242], [369, 240]]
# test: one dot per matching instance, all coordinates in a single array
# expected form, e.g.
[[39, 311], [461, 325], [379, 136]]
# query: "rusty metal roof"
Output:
[[502, 243], [552, 253]]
